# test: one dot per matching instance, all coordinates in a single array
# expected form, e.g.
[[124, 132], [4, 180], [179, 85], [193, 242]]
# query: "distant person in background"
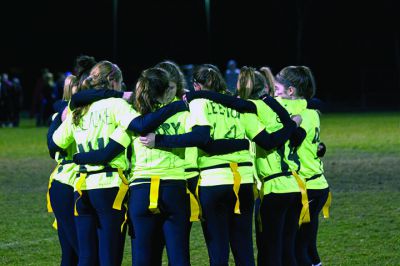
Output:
[[231, 76], [16, 100], [6, 100], [37, 94], [46, 100], [59, 85], [2, 99]]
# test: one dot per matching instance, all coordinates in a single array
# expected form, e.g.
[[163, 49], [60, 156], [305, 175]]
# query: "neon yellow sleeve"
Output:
[[124, 113], [63, 136], [310, 120], [198, 113], [121, 136], [252, 125]]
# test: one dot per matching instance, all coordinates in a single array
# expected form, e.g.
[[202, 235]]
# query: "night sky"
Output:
[[352, 48]]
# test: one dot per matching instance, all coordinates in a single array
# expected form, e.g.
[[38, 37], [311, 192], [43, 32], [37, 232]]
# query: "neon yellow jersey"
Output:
[[294, 107], [225, 123], [272, 123], [164, 162], [311, 164], [93, 132], [66, 172], [283, 159], [191, 154]]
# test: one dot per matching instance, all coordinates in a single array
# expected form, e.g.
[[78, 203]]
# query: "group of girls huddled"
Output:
[[155, 163]]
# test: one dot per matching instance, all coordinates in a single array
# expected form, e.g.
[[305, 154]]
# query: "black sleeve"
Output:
[[53, 148], [240, 105], [268, 141], [297, 137], [224, 146], [275, 139], [85, 97], [278, 109], [321, 150], [101, 156], [198, 137], [59, 106], [150, 122], [316, 104]]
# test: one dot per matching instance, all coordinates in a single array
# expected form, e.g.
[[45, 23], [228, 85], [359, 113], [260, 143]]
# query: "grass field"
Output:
[[362, 165]]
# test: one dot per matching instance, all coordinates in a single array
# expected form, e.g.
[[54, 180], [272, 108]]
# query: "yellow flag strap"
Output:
[[327, 205], [154, 189], [55, 226], [194, 207], [81, 180], [123, 189], [49, 208], [236, 185], [126, 217], [197, 195], [305, 210], [256, 192]]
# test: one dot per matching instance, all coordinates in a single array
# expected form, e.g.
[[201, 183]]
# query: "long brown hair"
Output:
[[101, 76], [251, 83], [152, 84], [175, 75], [69, 83], [270, 80]]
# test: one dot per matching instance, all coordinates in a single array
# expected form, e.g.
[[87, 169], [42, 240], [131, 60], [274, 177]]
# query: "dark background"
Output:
[[353, 47]]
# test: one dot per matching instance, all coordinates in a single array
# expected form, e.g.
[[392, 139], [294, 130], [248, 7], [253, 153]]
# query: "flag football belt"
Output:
[[188, 170], [236, 178], [49, 207], [327, 205], [270, 177], [305, 211], [123, 188], [195, 208], [225, 165], [154, 190], [313, 177]]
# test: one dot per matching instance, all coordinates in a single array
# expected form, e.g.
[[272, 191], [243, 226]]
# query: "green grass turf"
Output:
[[362, 165]]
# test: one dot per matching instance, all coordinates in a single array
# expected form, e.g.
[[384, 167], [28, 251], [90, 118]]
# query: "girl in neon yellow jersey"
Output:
[[297, 82], [61, 192], [99, 210]]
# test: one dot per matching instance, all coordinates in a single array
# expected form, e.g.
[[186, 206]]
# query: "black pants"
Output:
[[62, 202], [170, 226], [306, 240], [223, 228], [279, 218]]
